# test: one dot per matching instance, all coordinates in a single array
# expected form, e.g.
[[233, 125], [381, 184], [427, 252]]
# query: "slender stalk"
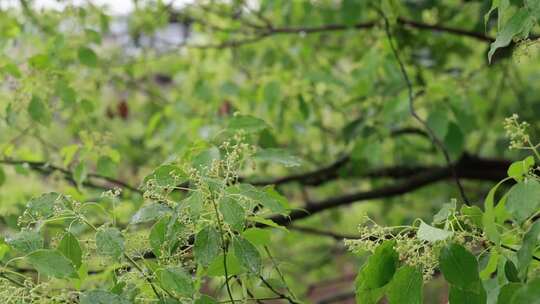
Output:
[[279, 294], [415, 115], [224, 248], [147, 278], [15, 282], [276, 267]]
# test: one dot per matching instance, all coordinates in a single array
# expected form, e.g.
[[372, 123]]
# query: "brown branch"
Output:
[[336, 236], [368, 25], [45, 168], [268, 31], [331, 172], [468, 167]]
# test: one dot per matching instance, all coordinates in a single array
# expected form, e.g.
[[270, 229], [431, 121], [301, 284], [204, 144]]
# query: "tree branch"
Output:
[[45, 168], [331, 172], [268, 31], [468, 167]]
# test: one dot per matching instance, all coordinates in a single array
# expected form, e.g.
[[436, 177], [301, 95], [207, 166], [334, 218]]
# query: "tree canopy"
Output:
[[270, 151]]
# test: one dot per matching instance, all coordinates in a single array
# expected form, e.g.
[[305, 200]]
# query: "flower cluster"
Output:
[[413, 250], [517, 132]]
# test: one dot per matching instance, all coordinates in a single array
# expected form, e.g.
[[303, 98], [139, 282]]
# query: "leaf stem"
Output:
[[279, 294], [224, 248]]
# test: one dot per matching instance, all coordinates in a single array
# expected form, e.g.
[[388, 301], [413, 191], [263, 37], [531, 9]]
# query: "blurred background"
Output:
[[125, 86]]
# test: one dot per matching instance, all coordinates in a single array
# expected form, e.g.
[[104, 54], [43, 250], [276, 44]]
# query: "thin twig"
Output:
[[3, 275], [224, 248], [412, 110], [279, 294], [46, 168], [281, 276]]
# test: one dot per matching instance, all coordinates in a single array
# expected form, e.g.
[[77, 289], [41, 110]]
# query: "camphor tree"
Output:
[[271, 151]]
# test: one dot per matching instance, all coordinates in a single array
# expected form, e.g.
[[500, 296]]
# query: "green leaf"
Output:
[[267, 139], [166, 176], [93, 36], [98, 296], [52, 263], [25, 241], [279, 156], [303, 106], [247, 255], [491, 265], [204, 299], [507, 292], [206, 247], [38, 111], [164, 235], [203, 161], [519, 24], [217, 269], [150, 213], [44, 206], [406, 286], [267, 222], [4, 249], [534, 8], [458, 266], [432, 234], [488, 219], [494, 6], [12, 69], [351, 11], [40, 61], [523, 199], [268, 197], [438, 122], [528, 247], [2, 176], [464, 117], [69, 246], [176, 280], [110, 242], [233, 213], [528, 294], [446, 210], [247, 123], [157, 237], [474, 294], [474, 214], [511, 273], [79, 174], [257, 236], [519, 169], [87, 56], [272, 92], [195, 204], [454, 140], [106, 166], [66, 93], [376, 273]]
